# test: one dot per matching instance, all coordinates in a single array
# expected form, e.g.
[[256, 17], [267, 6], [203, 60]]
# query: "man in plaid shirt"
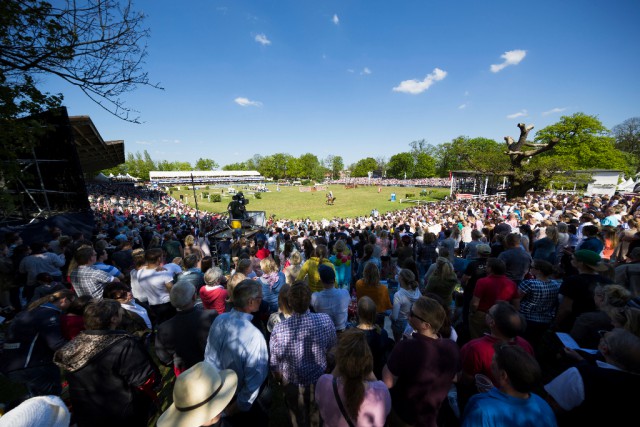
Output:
[[87, 280], [299, 350]]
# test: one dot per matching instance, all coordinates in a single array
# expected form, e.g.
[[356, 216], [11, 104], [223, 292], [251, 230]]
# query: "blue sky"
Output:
[[359, 78]]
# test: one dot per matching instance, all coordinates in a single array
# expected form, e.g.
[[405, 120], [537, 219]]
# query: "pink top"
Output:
[[373, 411], [213, 297]]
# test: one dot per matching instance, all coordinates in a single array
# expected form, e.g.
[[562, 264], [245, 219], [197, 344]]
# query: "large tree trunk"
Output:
[[518, 153]]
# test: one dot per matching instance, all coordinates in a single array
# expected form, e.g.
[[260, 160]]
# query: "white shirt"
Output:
[[153, 284], [139, 310]]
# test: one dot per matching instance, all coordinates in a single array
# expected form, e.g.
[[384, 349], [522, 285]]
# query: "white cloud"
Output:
[[366, 70], [143, 142], [245, 102], [553, 111], [463, 106], [263, 40], [512, 57], [350, 70], [335, 19], [521, 113], [415, 87], [466, 93]]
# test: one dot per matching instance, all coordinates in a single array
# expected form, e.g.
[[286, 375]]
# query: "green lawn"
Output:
[[290, 203]]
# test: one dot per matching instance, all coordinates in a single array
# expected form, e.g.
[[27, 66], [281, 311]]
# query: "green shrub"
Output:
[[216, 198], [205, 194], [258, 195], [410, 195], [305, 182], [423, 193]]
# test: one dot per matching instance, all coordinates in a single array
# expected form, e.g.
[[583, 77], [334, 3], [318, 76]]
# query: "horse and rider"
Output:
[[330, 198]]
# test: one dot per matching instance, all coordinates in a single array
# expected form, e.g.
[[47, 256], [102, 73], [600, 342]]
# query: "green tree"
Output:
[[446, 159], [584, 143], [96, 45], [253, 164], [182, 166], [576, 142], [274, 166], [235, 167], [425, 166], [335, 165], [363, 166], [382, 165], [401, 165], [293, 168], [206, 165], [627, 136], [310, 166]]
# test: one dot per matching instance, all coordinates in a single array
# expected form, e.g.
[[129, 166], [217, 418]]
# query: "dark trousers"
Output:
[[258, 415], [14, 298], [534, 333], [301, 402], [162, 312], [39, 380]]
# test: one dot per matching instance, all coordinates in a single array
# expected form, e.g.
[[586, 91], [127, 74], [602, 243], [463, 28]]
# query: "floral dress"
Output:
[[342, 264]]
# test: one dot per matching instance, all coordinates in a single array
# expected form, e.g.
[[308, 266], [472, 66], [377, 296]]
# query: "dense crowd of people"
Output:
[[456, 313], [392, 182]]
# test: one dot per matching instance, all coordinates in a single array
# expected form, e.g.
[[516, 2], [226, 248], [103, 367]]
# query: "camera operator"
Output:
[[236, 207]]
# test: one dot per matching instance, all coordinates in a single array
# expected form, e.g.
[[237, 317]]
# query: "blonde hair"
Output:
[[268, 265], [189, 240], [295, 258], [233, 282], [444, 269]]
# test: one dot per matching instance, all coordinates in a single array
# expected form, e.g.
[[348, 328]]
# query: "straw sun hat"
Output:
[[199, 394]]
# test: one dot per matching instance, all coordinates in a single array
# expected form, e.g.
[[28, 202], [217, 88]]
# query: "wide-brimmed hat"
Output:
[[590, 259], [41, 411], [199, 394]]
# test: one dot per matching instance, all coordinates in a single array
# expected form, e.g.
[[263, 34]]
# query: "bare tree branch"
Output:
[[96, 45]]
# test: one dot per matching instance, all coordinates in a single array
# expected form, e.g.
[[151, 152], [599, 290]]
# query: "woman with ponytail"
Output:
[[408, 292], [443, 281], [351, 395]]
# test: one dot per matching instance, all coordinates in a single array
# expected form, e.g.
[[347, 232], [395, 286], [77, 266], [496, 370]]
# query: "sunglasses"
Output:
[[412, 314]]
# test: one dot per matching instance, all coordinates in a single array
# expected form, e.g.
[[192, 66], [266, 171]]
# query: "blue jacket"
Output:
[[33, 337]]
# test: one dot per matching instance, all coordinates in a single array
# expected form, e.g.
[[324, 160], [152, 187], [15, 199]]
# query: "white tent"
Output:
[[110, 175], [626, 186], [101, 177]]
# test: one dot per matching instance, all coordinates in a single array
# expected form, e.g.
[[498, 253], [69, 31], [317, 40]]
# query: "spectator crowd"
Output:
[[470, 312]]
